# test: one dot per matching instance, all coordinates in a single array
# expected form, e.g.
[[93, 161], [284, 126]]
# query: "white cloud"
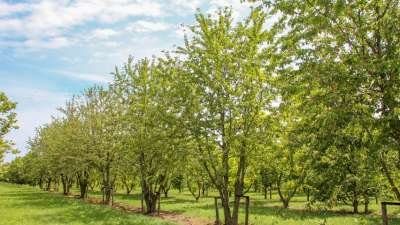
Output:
[[239, 9], [84, 76], [52, 43], [111, 44], [48, 18], [102, 34], [148, 26], [184, 6], [9, 9], [11, 25]]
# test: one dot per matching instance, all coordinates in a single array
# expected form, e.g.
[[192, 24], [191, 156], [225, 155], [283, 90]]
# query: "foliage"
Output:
[[7, 123]]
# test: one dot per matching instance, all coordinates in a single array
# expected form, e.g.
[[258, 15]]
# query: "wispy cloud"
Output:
[[84, 76], [102, 34], [50, 43], [9, 9], [148, 26], [46, 19]]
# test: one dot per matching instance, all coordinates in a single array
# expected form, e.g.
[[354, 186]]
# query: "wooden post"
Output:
[[384, 211], [384, 214], [216, 211], [246, 219], [112, 196], [102, 191], [141, 201], [159, 203]]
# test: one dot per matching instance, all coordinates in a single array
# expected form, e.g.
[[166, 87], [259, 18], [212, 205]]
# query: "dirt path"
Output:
[[182, 219], [165, 215]]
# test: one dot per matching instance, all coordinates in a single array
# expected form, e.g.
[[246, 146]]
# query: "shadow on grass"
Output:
[[53, 208], [260, 208]]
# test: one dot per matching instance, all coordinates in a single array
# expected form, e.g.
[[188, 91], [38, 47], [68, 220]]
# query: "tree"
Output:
[[226, 97], [150, 131], [7, 122], [337, 54], [102, 113]]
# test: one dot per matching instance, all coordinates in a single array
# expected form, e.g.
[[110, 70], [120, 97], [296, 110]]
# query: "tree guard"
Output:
[[247, 203], [385, 219]]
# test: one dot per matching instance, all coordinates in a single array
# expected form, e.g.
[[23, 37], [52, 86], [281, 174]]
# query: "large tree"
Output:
[[339, 60], [151, 138], [227, 95]]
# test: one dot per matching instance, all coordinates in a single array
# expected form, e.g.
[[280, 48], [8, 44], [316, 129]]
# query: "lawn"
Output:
[[20, 205], [269, 211], [23, 205]]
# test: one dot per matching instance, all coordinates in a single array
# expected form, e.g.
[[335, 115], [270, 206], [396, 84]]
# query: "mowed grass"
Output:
[[20, 205], [23, 205], [268, 211]]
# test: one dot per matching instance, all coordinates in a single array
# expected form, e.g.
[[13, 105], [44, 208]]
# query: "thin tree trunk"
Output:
[[83, 180], [265, 191], [366, 203], [388, 175], [285, 201]]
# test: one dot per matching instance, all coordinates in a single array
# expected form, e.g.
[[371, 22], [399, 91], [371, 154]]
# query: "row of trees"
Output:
[[308, 103]]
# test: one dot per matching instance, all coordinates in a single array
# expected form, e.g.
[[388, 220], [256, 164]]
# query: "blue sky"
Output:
[[52, 49]]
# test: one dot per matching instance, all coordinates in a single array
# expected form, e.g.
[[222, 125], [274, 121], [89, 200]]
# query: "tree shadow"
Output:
[[53, 208]]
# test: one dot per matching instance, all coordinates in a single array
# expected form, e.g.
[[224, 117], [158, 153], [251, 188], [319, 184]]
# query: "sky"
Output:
[[53, 49]]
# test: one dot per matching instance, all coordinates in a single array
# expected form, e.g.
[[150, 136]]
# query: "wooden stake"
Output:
[[384, 214], [246, 219], [216, 211], [159, 203]]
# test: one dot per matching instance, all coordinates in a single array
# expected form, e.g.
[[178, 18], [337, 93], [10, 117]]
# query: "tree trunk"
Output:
[[108, 182], [265, 192], [129, 189], [83, 180], [107, 192], [355, 206], [388, 176], [48, 185], [285, 201], [225, 205], [56, 184], [239, 184], [150, 199], [366, 203], [66, 183], [165, 191], [41, 183], [270, 191], [149, 195]]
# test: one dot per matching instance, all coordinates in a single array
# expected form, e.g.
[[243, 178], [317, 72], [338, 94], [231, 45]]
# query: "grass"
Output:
[[269, 211], [23, 205]]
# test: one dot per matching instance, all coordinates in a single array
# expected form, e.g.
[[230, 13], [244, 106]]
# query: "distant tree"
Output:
[[7, 123]]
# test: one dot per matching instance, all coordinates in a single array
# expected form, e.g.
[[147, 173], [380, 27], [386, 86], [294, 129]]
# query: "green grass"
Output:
[[269, 212], [23, 205]]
